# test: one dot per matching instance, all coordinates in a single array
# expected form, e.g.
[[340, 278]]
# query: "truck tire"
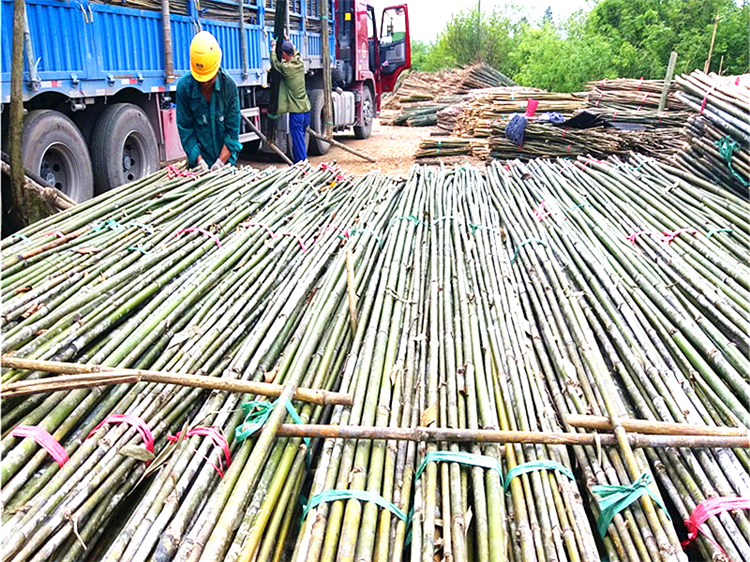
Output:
[[123, 147], [317, 147], [363, 130], [55, 149]]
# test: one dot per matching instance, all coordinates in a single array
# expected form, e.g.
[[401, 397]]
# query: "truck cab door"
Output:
[[394, 44]]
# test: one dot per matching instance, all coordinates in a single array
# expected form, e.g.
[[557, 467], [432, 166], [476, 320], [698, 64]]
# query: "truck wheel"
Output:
[[368, 113], [123, 147], [317, 147], [55, 149]]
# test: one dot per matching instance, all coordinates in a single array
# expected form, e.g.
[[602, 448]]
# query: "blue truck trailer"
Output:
[[99, 77]]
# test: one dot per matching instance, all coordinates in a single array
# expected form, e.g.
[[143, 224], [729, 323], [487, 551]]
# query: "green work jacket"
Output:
[[292, 93], [206, 127]]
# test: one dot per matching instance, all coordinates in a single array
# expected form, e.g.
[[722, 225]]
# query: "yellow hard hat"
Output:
[[205, 56]]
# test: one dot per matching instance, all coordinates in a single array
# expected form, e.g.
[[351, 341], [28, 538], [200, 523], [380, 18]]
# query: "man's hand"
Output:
[[201, 164], [218, 165]]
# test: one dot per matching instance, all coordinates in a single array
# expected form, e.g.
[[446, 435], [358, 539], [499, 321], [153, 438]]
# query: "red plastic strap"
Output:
[[216, 436], [670, 236], [133, 420], [540, 212], [565, 130], [614, 116], [640, 82], [268, 229], [642, 102], [705, 99], [706, 509], [633, 236], [173, 172], [55, 233], [202, 231], [44, 440], [298, 237]]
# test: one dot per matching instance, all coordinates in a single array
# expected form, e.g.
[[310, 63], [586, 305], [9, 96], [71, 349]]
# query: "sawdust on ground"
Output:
[[392, 147]]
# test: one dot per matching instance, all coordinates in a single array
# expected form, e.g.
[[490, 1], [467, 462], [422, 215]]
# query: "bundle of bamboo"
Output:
[[718, 138], [485, 108], [423, 94], [456, 304], [627, 94]]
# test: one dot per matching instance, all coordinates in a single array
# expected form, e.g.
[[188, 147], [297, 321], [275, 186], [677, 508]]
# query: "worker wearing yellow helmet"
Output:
[[208, 108]]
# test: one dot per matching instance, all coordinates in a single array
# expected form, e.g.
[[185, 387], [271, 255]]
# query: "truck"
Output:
[[100, 77]]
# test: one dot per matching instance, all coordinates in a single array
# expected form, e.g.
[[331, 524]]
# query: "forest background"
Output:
[[613, 39]]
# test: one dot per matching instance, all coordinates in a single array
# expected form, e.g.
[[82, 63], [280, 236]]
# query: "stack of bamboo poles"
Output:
[[628, 94], [175, 6], [454, 301], [422, 95], [717, 139], [212, 274], [485, 108], [626, 264]]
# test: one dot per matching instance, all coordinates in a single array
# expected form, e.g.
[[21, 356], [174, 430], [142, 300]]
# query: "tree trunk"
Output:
[[27, 205]]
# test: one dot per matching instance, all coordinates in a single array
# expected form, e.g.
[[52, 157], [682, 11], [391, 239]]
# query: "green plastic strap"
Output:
[[542, 464], [469, 459], [257, 414], [146, 227], [111, 224], [22, 237], [713, 231], [411, 218], [367, 231], [522, 244], [137, 249], [444, 218], [727, 148], [475, 227], [616, 498], [362, 495], [273, 116]]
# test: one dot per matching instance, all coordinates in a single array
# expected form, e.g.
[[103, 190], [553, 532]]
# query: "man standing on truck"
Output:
[[208, 108], [293, 95]]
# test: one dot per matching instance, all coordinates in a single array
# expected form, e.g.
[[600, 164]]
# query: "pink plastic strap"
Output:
[[706, 509], [540, 212], [614, 116], [298, 237], [216, 436], [737, 81], [44, 440], [635, 235], [642, 102], [640, 83], [705, 99], [173, 172], [133, 420], [202, 231], [326, 167], [55, 233], [268, 229], [670, 236]]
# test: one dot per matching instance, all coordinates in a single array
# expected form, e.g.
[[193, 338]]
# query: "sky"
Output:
[[427, 18]]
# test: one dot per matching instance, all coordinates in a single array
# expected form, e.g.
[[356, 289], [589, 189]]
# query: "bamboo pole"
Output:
[[272, 145], [81, 377], [342, 146], [653, 427], [433, 435]]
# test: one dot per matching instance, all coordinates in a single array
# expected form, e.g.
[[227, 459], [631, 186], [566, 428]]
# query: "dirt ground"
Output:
[[392, 147]]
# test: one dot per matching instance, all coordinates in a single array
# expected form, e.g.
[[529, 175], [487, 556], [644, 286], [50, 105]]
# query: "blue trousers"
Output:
[[298, 124]]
